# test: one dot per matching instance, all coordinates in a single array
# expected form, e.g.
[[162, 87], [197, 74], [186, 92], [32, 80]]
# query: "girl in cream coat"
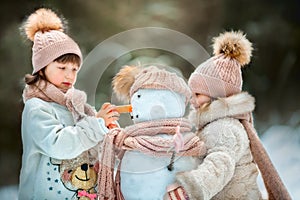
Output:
[[223, 118], [228, 170]]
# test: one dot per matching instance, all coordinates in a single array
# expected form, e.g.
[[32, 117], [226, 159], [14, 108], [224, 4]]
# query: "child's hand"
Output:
[[108, 113]]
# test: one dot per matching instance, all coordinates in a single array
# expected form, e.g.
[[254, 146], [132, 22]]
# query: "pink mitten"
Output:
[[176, 192]]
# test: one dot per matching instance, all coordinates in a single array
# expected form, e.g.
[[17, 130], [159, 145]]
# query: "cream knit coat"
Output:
[[228, 170]]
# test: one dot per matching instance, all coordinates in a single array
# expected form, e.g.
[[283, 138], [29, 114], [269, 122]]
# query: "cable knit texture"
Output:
[[142, 137], [50, 45], [73, 99], [221, 75], [154, 78], [45, 29]]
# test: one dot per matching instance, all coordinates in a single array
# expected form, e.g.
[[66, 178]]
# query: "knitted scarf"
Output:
[[274, 185], [142, 137], [73, 99]]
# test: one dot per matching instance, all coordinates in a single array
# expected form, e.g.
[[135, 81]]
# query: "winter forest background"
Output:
[[272, 77]]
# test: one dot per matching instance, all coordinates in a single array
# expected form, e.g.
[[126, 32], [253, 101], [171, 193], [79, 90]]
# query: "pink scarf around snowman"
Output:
[[142, 137]]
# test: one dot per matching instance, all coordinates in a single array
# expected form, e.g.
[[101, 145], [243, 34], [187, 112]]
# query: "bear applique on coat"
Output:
[[80, 175]]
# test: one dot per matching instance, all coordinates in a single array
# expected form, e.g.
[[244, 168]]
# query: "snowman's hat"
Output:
[[132, 78]]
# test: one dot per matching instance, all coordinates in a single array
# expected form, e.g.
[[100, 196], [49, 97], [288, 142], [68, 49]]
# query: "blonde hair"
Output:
[[205, 106]]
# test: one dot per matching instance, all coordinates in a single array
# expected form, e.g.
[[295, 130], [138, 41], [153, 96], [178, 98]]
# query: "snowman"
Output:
[[160, 143]]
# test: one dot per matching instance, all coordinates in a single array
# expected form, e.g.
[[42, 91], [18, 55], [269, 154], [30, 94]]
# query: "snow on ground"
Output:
[[283, 146], [9, 192]]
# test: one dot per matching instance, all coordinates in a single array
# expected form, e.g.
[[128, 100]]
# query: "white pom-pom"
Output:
[[235, 45]]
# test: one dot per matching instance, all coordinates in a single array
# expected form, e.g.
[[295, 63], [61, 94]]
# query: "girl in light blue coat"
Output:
[[59, 129]]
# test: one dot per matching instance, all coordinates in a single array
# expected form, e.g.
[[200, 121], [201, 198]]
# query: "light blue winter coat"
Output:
[[49, 131]]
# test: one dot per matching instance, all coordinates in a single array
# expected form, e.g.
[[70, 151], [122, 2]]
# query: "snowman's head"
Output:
[[153, 104], [153, 92]]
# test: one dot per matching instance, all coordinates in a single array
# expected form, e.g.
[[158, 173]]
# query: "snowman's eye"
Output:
[[137, 116], [138, 96], [131, 117]]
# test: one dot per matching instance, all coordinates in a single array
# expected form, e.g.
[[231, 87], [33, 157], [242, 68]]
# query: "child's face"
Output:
[[199, 99], [62, 75]]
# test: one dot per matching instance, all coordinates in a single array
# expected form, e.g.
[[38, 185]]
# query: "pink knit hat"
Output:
[[45, 29], [221, 76], [131, 78]]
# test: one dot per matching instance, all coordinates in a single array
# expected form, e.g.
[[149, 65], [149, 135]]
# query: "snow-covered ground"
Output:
[[281, 142], [9, 192], [283, 146]]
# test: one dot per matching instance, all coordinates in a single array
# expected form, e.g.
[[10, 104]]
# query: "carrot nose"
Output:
[[124, 109]]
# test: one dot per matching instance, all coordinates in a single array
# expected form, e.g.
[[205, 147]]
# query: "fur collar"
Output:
[[234, 105]]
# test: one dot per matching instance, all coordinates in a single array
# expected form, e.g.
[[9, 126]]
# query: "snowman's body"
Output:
[[145, 176]]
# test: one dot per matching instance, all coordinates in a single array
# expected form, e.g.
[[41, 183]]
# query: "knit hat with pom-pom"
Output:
[[45, 29], [132, 78], [221, 76]]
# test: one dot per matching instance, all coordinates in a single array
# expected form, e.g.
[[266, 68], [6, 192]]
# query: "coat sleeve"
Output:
[[50, 137], [226, 141]]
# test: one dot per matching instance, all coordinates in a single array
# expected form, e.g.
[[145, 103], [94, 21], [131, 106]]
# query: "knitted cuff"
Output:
[[176, 192]]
